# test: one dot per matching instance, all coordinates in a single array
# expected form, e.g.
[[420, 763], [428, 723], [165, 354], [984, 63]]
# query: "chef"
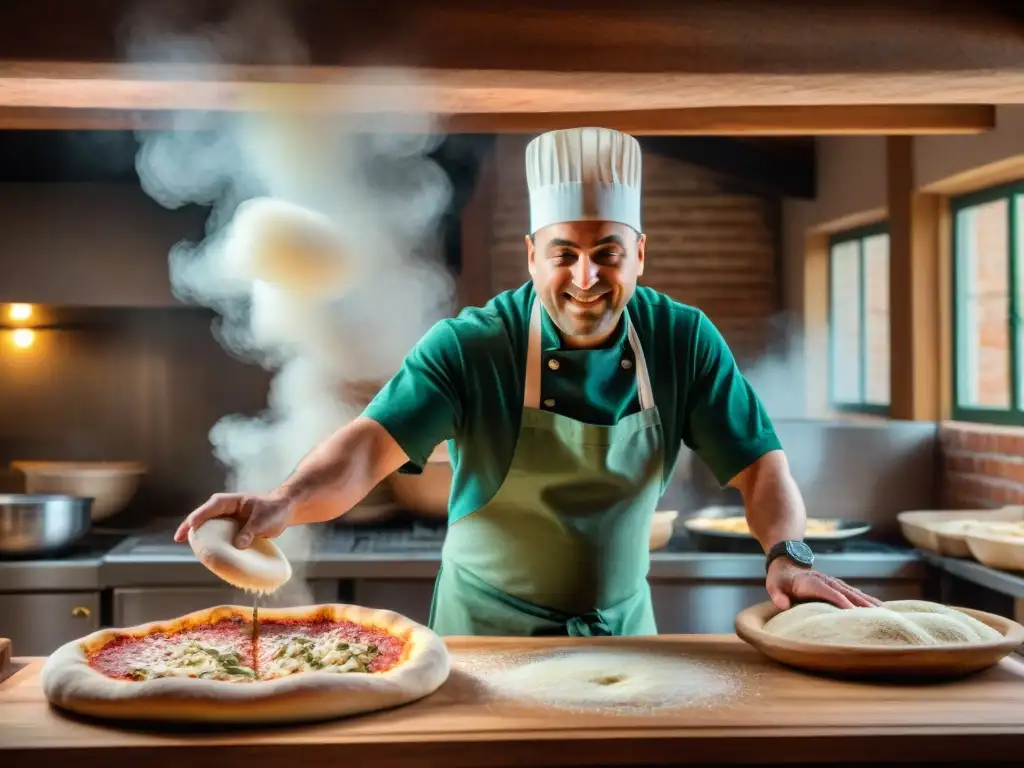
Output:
[[564, 404]]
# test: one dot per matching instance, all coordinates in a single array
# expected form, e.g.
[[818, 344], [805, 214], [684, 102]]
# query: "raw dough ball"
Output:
[[897, 623], [783, 622], [922, 606], [859, 626], [262, 567], [950, 629]]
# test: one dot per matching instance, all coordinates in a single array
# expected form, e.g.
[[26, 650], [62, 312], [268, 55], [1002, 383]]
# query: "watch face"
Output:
[[799, 552]]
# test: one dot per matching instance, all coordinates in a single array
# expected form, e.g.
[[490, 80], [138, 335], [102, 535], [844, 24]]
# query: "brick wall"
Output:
[[982, 465], [706, 246]]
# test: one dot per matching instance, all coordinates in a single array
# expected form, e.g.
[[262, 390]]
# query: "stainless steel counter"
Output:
[[1009, 584], [81, 573], [146, 577], [354, 553], [154, 559]]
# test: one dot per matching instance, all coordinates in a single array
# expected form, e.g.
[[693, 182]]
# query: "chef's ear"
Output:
[[531, 253], [641, 250]]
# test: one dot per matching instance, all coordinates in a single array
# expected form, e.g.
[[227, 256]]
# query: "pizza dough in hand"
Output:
[[262, 567], [286, 245], [897, 623]]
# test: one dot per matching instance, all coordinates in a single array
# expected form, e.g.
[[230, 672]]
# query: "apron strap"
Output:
[[643, 379], [531, 392]]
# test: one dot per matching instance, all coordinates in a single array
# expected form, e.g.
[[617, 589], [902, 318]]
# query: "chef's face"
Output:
[[585, 273]]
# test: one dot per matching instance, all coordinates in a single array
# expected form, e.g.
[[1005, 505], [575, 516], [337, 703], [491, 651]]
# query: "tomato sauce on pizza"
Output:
[[288, 646], [217, 651], [226, 650]]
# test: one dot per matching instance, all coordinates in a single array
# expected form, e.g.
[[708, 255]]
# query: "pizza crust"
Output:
[[70, 683], [262, 567]]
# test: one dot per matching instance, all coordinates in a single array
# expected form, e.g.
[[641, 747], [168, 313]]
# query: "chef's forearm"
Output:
[[774, 507], [340, 472]]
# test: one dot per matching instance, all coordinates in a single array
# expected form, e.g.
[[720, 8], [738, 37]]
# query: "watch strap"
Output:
[[785, 549]]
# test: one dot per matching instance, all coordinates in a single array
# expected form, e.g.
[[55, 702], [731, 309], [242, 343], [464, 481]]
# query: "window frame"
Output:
[[858, 234], [1013, 415]]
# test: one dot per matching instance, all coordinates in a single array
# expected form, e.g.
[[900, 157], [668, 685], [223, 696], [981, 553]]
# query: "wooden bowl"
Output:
[[943, 661], [1003, 551], [923, 528], [110, 484]]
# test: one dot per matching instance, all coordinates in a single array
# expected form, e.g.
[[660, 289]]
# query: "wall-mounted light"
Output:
[[19, 312], [23, 338]]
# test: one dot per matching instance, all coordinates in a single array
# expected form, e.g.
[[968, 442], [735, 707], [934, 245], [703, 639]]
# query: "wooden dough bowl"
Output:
[[922, 528], [917, 663]]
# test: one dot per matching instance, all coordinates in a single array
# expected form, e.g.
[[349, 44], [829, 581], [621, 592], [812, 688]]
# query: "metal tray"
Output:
[[728, 541]]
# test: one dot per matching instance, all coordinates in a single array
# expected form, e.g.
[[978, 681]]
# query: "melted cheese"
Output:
[[191, 658], [322, 653]]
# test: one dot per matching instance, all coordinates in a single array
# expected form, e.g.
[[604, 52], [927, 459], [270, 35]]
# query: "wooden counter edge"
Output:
[[604, 748]]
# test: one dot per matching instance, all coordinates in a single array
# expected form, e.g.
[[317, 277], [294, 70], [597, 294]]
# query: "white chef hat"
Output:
[[583, 174]]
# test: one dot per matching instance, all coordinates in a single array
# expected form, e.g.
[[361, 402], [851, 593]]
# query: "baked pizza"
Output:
[[308, 663]]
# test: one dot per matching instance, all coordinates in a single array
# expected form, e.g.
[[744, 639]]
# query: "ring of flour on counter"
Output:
[[262, 567]]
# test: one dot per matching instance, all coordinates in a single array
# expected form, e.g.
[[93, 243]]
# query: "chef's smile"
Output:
[[585, 303]]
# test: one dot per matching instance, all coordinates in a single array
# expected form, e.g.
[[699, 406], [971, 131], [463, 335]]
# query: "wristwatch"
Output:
[[797, 551]]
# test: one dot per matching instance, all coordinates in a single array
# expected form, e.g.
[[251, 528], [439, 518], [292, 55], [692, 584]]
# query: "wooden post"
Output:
[[914, 300], [477, 221]]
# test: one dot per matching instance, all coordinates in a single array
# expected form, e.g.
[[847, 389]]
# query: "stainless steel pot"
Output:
[[36, 524]]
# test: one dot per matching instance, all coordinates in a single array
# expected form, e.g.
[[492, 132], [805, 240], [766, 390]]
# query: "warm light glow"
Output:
[[20, 311], [24, 338]]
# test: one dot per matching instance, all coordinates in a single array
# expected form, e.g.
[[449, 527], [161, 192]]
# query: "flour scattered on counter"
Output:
[[627, 682]]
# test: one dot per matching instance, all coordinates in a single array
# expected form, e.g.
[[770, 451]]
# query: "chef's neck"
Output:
[[596, 341]]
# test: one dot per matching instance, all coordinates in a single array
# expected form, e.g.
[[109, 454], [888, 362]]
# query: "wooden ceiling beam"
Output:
[[77, 85], [725, 121]]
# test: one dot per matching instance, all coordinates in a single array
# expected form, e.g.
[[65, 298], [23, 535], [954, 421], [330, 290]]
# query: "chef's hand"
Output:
[[789, 583], [264, 515]]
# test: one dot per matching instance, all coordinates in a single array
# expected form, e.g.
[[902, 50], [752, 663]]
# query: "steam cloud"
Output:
[[385, 198]]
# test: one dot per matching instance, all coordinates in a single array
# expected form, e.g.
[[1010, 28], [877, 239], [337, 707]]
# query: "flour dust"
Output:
[[322, 252], [618, 682]]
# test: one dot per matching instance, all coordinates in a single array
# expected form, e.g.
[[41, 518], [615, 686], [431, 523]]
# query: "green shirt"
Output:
[[464, 380]]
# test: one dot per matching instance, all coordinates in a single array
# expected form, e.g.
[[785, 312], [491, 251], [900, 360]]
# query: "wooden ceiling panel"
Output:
[[502, 57]]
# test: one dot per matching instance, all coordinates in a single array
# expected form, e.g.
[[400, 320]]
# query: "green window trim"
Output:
[[859, 235], [1013, 194]]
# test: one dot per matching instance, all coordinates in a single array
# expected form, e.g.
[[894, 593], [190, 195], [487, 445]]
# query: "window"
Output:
[[859, 320], [986, 300]]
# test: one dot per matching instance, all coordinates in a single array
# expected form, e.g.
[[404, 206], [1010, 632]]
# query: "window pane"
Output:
[[845, 298], [983, 364], [1018, 212], [876, 319]]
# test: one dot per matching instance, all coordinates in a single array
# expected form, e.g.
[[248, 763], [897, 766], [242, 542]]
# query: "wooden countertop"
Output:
[[781, 716]]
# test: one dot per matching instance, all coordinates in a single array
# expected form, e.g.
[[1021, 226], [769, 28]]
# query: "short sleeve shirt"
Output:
[[463, 383]]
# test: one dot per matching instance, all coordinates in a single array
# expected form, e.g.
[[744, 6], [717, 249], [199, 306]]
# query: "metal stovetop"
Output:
[[417, 537], [336, 540]]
